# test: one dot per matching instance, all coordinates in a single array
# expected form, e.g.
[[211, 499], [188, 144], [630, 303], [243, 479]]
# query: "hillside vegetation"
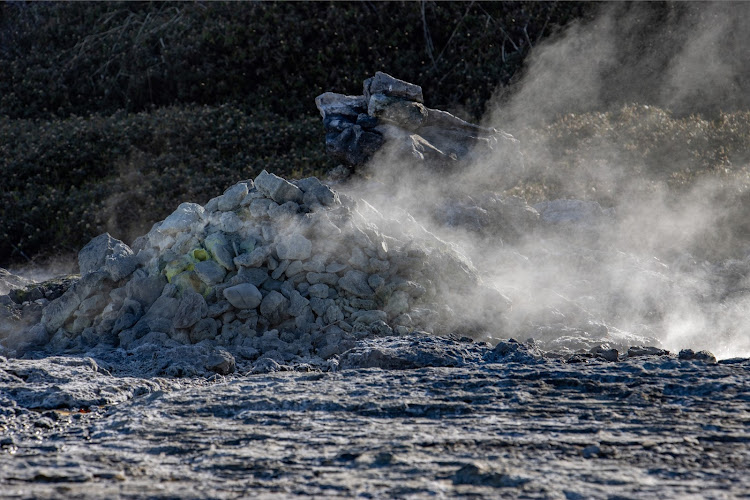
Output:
[[113, 113]]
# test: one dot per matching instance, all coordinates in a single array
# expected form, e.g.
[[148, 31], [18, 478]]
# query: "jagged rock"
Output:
[[274, 306], [331, 103], [189, 217], [294, 247], [383, 83], [232, 197], [108, 254], [192, 308], [705, 356], [406, 114], [243, 296], [355, 282], [278, 189], [390, 113]]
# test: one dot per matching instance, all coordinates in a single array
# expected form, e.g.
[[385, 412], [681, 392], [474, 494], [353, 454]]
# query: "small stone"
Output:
[[297, 303], [407, 114], [253, 275], [109, 255], [359, 260], [210, 272], [259, 207], [335, 267], [285, 210], [333, 315], [205, 329], [191, 309], [331, 103], [294, 247], [221, 250], [221, 362], [314, 265], [320, 290], [243, 296], [705, 356], [278, 189], [369, 317], [274, 306], [230, 222], [355, 282], [232, 197], [326, 278], [295, 267], [189, 217], [253, 259], [266, 365], [316, 191], [383, 83]]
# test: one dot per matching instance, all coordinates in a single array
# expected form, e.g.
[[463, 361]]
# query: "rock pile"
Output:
[[271, 268], [391, 112]]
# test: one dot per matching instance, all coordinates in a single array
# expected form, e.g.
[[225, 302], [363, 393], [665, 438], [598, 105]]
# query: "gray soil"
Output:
[[445, 418]]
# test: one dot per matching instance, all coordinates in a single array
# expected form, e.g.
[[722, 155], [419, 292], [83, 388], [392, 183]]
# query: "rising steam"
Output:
[[632, 276]]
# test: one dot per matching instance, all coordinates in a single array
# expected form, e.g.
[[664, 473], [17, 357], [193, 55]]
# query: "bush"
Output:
[[65, 181], [81, 58]]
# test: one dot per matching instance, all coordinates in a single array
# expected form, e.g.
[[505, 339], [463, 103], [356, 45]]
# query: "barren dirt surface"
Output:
[[645, 427]]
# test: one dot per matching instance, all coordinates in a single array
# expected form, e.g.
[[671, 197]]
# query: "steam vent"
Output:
[[291, 270]]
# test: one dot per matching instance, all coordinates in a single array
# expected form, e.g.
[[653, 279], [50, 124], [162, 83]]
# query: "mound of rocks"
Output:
[[390, 112], [271, 268]]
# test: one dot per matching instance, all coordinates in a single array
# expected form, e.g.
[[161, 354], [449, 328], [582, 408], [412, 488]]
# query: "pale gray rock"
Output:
[[192, 308], [259, 207], [243, 296], [204, 329], [232, 197], [369, 317], [284, 211], [317, 192], [59, 310], [407, 114], [256, 258], [355, 282], [221, 249], [331, 103], [297, 304], [221, 362], [383, 83], [145, 289], [189, 217], [210, 272], [294, 247], [274, 306], [109, 255], [230, 222], [278, 189], [295, 267], [326, 278], [320, 290]]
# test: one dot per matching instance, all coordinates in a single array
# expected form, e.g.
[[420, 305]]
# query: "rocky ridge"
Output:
[[273, 269]]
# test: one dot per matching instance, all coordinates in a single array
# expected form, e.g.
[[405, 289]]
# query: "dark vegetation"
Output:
[[113, 113]]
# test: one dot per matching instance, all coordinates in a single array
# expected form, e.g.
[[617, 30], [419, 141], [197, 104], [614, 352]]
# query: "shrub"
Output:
[[65, 181]]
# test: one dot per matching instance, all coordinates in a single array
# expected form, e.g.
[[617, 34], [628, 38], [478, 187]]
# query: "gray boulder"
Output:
[[383, 83], [232, 197], [243, 296], [278, 189], [108, 254], [294, 247]]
